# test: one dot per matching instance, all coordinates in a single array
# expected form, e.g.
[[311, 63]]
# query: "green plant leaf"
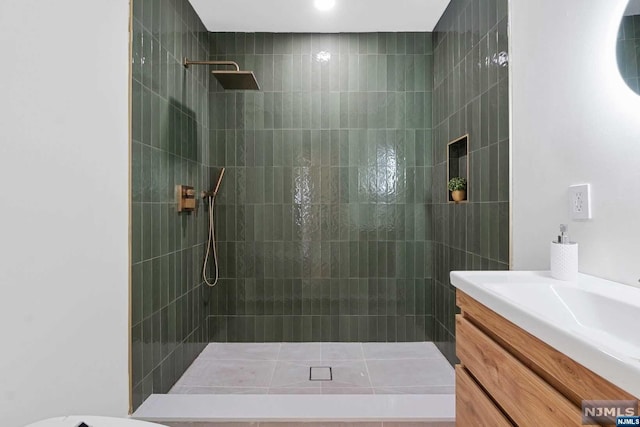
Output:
[[457, 183]]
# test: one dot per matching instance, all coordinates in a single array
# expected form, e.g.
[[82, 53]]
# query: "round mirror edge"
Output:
[[628, 46]]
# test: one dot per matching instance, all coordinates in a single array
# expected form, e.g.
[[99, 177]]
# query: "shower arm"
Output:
[[188, 62]]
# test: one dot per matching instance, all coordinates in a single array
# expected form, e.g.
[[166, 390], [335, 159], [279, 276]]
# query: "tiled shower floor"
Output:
[[283, 368]]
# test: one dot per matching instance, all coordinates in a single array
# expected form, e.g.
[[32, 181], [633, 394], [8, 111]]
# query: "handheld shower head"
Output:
[[213, 193], [211, 243], [217, 187]]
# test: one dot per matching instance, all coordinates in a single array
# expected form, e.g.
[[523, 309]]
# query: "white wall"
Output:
[[63, 209], [573, 120]]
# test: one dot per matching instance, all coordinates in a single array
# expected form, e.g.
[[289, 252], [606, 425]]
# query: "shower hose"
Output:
[[211, 246]]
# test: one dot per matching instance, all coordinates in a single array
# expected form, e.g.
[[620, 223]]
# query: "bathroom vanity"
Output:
[[532, 348]]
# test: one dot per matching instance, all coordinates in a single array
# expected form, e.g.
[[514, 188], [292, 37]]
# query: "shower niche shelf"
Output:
[[458, 164]]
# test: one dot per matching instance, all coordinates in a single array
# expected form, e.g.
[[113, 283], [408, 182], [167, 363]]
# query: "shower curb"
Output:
[[207, 410]]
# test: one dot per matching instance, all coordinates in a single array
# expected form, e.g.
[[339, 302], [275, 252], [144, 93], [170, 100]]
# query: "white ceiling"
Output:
[[300, 16]]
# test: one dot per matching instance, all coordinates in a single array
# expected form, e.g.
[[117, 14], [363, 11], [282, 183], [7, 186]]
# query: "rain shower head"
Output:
[[229, 79], [236, 80]]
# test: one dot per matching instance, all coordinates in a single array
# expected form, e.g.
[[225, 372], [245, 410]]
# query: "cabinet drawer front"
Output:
[[571, 379], [528, 399], [473, 407]]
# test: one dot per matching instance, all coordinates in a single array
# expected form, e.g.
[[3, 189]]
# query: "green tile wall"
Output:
[[170, 146], [629, 51], [324, 218], [470, 96]]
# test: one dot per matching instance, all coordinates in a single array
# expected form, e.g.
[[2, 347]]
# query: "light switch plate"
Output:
[[580, 202]]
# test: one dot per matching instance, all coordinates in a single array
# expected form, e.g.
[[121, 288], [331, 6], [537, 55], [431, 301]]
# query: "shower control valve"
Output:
[[185, 198]]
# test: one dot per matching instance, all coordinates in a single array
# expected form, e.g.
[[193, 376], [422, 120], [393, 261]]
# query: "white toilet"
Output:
[[89, 421]]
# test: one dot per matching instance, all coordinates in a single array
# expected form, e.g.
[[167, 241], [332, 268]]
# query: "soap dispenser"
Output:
[[564, 256]]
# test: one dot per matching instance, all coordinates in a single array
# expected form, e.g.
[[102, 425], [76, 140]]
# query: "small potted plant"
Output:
[[458, 188]]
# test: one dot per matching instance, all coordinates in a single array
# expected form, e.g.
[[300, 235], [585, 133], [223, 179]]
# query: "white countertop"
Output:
[[594, 321]]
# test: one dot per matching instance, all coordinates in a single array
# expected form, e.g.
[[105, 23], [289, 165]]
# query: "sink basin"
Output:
[[593, 321], [579, 310]]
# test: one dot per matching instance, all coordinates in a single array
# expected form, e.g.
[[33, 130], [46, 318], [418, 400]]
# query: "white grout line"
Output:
[[366, 366], [273, 374]]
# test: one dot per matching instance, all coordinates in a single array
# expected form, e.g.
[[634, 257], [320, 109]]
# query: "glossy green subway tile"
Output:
[[471, 100], [297, 329], [168, 127], [156, 346], [493, 166], [312, 253]]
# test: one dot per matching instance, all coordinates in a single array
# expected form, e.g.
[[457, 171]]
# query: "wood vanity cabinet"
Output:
[[508, 377]]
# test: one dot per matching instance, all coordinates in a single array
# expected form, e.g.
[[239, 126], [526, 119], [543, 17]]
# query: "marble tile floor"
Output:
[[283, 368]]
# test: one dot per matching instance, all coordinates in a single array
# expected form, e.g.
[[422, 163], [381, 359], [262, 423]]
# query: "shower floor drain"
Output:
[[320, 373]]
